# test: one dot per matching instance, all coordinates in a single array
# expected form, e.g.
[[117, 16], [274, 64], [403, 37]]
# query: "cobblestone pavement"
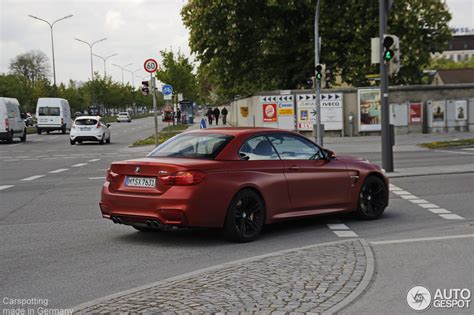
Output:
[[310, 279]]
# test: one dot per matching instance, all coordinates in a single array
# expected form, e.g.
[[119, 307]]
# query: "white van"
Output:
[[12, 124], [53, 114]]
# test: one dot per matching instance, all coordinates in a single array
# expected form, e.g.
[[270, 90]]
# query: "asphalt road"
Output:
[[55, 245]]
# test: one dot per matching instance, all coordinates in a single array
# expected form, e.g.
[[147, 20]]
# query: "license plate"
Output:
[[85, 129], [140, 181]]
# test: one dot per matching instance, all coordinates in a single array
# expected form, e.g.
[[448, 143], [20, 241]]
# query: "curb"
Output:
[[427, 174], [363, 285], [360, 288]]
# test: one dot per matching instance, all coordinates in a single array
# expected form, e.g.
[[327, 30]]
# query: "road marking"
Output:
[[451, 216], [31, 159], [422, 239], [38, 140], [428, 205], [54, 137], [418, 201], [33, 177], [443, 213], [409, 197], [14, 145], [455, 152], [400, 192], [345, 233], [94, 160], [51, 158], [3, 187], [59, 170], [101, 177], [23, 156], [79, 164], [439, 210], [338, 226], [12, 160], [469, 149]]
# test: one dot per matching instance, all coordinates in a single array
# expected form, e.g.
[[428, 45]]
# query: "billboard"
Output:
[[331, 111], [416, 113], [460, 110], [369, 109], [270, 112]]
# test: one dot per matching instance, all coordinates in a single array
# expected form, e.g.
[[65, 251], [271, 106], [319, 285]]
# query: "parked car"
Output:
[[239, 179], [12, 124], [29, 121], [124, 116], [89, 128], [53, 114]]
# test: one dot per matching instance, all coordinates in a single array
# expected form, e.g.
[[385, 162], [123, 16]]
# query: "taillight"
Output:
[[184, 178], [62, 121], [111, 176], [7, 124], [73, 126], [98, 125]]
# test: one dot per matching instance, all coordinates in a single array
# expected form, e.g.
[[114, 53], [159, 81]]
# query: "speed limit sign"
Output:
[[150, 65]]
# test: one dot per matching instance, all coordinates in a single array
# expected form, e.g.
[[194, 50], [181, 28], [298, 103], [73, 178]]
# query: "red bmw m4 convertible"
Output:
[[239, 179]]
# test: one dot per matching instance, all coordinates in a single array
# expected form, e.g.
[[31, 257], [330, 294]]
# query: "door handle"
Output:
[[294, 168]]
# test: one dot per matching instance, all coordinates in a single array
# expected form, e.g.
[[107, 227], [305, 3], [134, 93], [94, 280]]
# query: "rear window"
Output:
[[86, 122], [48, 111], [123, 114], [200, 146]]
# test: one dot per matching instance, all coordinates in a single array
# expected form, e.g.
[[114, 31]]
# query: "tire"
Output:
[[72, 142], [38, 130], [108, 140], [10, 137], [373, 199], [245, 217], [23, 138], [102, 141], [143, 229]]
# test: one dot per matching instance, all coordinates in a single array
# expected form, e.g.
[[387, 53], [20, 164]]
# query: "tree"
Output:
[[178, 71], [252, 45], [33, 66]]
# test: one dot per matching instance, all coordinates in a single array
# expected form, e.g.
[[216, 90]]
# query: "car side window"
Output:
[[258, 148], [291, 147]]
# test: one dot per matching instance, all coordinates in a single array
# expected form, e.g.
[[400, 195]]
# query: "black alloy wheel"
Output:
[[373, 198], [245, 217]]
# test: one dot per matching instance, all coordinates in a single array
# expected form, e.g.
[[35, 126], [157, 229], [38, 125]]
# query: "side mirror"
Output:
[[330, 155], [108, 125]]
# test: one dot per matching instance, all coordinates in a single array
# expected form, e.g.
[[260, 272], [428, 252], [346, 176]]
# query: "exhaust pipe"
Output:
[[114, 220], [148, 223], [119, 221], [156, 224]]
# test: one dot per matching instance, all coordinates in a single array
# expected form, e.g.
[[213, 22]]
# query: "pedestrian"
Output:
[[178, 116], [224, 113], [209, 115], [217, 112]]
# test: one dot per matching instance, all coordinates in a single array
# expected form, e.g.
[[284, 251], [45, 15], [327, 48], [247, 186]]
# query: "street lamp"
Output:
[[122, 67], [133, 75], [52, 41], [90, 46], [105, 59]]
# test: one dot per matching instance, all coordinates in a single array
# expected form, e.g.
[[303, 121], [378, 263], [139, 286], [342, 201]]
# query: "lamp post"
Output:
[[105, 60], [52, 40], [122, 67], [133, 74], [90, 46]]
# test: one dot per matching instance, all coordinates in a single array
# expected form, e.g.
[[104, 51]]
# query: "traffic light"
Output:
[[328, 78], [145, 89], [319, 72], [391, 53]]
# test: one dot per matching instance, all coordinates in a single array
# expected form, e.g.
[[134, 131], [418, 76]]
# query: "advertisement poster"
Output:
[[244, 111], [437, 112], [460, 110], [369, 110], [269, 112], [416, 113]]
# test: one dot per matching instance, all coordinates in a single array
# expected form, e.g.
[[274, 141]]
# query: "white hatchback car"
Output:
[[124, 116], [89, 128]]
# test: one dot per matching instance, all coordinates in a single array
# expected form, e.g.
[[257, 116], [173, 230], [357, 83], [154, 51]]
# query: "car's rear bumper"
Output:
[[179, 206], [87, 138], [51, 127]]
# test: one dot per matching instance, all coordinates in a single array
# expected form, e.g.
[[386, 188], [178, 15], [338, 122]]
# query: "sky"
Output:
[[135, 30]]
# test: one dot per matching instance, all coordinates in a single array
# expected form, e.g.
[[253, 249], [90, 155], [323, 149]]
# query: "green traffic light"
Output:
[[388, 55], [319, 76]]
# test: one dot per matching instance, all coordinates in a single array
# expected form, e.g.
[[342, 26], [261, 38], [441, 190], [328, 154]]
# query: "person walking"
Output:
[[217, 112], [178, 116], [224, 113], [209, 115]]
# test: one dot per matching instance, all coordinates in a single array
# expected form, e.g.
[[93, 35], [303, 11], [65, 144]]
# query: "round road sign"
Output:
[[150, 65], [167, 89]]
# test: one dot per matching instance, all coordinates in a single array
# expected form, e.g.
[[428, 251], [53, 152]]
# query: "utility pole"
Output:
[[387, 149], [317, 84]]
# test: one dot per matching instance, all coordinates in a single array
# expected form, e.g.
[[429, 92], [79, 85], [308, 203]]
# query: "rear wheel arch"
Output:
[[252, 188]]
